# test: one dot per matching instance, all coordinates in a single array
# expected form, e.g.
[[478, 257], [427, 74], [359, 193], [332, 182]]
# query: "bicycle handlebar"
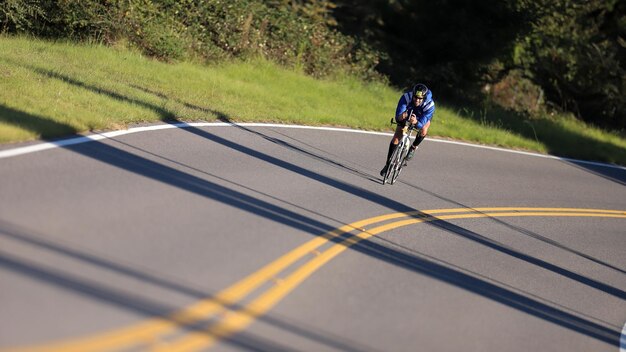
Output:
[[411, 125], [409, 112]]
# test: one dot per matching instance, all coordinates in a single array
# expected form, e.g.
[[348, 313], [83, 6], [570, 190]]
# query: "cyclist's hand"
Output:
[[413, 119]]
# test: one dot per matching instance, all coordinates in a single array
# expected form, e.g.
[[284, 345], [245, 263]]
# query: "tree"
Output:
[[576, 52]]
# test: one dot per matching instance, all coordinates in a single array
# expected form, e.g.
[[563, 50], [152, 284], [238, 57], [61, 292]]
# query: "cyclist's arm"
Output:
[[429, 111], [401, 109], [403, 116]]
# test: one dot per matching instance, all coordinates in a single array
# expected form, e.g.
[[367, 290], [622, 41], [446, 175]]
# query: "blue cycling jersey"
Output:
[[424, 112]]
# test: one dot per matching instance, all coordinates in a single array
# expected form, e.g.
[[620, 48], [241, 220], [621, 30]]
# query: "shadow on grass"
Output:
[[45, 128], [143, 167]]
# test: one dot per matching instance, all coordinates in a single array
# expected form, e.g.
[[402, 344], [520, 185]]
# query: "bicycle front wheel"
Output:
[[391, 165], [398, 161]]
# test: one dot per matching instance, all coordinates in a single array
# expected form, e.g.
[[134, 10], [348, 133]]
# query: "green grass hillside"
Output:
[[56, 89]]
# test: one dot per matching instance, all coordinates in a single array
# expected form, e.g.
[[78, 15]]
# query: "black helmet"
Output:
[[420, 90]]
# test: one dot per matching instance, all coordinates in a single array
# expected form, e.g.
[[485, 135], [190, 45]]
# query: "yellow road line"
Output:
[[239, 320], [147, 334]]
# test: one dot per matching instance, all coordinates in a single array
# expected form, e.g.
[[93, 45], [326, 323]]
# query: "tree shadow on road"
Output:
[[532, 234], [221, 116], [120, 297], [496, 291]]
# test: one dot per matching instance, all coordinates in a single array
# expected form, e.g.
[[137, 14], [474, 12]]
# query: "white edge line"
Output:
[[8, 153]]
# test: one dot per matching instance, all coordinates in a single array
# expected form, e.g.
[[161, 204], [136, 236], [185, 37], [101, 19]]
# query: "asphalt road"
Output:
[[271, 239]]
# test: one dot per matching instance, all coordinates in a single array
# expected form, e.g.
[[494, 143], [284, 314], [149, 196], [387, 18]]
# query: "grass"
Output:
[[56, 89]]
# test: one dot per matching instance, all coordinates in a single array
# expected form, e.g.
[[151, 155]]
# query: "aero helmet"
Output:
[[420, 90]]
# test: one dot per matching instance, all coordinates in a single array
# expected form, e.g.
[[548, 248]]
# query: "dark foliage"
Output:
[[576, 52], [571, 50], [447, 44], [291, 34]]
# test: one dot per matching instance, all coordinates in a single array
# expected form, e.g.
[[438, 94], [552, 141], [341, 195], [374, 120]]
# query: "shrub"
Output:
[[517, 93], [292, 34], [19, 15]]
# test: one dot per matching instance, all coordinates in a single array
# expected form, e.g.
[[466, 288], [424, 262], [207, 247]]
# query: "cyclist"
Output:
[[416, 106]]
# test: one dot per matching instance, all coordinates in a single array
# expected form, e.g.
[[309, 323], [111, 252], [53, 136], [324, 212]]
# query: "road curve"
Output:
[[262, 237]]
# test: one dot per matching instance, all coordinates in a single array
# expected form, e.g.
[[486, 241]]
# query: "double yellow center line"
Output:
[[230, 315]]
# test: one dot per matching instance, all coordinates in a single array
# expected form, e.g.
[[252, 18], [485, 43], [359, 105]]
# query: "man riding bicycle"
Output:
[[416, 106]]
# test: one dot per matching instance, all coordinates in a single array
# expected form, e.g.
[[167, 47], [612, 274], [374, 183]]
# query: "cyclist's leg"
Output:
[[418, 139], [421, 134]]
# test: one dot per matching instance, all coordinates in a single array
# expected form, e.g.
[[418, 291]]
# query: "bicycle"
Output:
[[398, 157]]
